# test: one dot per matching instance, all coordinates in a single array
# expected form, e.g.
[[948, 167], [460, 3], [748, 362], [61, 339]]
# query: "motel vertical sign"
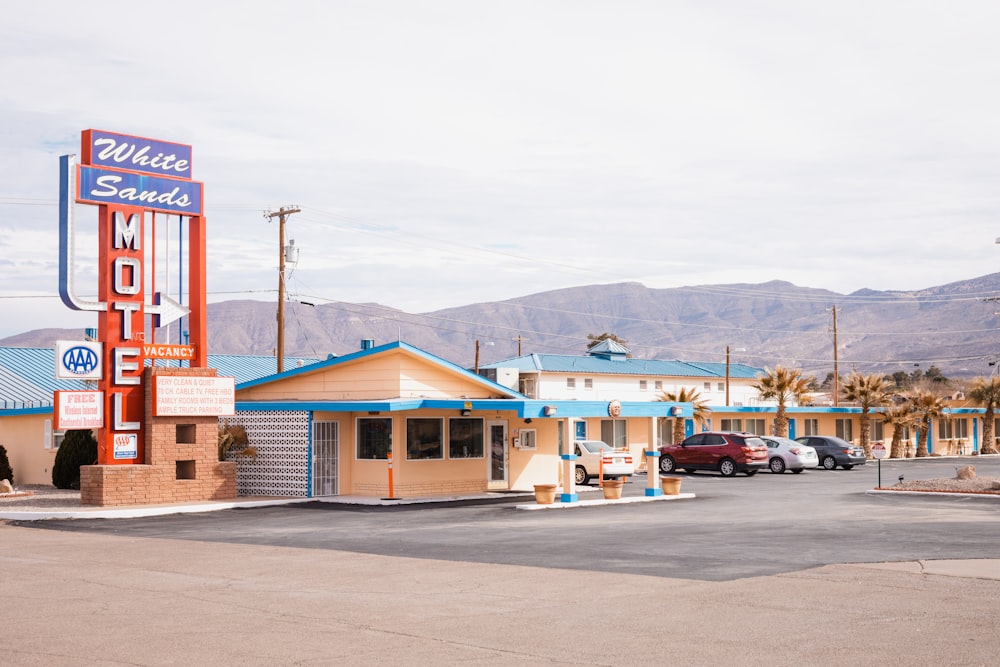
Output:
[[135, 183]]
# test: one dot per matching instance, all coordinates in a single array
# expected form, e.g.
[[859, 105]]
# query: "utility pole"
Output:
[[836, 368], [281, 214], [727, 375]]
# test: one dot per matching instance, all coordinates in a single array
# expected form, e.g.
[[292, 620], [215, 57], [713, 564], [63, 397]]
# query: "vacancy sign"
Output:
[[193, 396], [79, 410]]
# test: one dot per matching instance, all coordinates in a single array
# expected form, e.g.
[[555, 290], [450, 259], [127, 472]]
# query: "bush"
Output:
[[6, 472], [78, 448]]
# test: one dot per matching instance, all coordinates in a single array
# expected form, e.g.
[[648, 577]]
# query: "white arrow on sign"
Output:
[[165, 310]]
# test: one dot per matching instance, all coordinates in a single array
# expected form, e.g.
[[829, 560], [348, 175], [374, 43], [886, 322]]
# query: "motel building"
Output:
[[394, 421]]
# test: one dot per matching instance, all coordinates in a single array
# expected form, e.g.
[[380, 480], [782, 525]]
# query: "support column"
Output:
[[569, 494], [653, 462]]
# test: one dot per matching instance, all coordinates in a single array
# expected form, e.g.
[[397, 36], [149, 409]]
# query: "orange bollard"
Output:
[[391, 493]]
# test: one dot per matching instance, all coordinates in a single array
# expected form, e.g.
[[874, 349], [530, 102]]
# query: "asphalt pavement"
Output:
[[776, 570]]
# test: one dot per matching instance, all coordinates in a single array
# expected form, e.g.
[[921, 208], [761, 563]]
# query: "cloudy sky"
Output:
[[447, 152]]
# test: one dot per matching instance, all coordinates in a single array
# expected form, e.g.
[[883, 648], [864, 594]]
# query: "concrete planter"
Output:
[[545, 494], [671, 485], [613, 489]]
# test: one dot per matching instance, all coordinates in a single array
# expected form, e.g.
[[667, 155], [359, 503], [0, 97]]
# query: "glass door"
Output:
[[497, 431]]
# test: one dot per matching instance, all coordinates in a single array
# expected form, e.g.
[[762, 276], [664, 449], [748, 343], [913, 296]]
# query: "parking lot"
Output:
[[748, 572], [735, 527]]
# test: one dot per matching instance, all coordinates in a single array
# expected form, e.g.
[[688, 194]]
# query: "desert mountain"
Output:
[[953, 327]]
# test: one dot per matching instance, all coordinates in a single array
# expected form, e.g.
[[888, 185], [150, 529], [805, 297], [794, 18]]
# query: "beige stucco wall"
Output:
[[395, 374], [29, 447]]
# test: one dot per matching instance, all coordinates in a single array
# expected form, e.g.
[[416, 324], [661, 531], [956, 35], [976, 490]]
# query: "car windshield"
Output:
[[595, 446], [755, 442]]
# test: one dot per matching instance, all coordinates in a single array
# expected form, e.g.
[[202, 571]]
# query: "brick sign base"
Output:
[[182, 460]]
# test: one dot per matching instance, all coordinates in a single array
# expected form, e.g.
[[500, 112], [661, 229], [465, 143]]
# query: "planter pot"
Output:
[[613, 489], [671, 485], [545, 494]]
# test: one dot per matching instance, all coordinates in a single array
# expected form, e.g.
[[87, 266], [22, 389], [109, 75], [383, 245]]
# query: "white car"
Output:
[[784, 454], [589, 454]]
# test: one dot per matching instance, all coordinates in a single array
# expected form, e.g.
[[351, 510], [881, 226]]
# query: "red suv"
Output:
[[727, 452]]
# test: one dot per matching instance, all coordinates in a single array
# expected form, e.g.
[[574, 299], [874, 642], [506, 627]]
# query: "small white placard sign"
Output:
[[79, 410], [193, 396]]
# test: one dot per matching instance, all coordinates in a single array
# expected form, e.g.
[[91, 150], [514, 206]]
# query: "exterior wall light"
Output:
[[549, 410], [466, 412]]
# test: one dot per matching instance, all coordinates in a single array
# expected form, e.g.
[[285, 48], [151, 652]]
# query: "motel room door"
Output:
[[496, 436], [325, 458]]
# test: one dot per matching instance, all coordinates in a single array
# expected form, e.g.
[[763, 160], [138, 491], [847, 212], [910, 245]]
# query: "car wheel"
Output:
[[727, 467], [829, 462], [846, 467], [777, 465], [581, 475], [667, 464], [796, 470]]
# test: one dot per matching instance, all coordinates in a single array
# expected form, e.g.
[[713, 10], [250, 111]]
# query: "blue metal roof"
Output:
[[563, 363], [27, 374]]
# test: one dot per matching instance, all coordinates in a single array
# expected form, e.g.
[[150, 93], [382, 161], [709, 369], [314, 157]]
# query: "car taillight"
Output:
[[795, 450], [847, 451]]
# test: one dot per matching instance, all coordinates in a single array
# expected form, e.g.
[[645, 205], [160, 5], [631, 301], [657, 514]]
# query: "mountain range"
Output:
[[953, 327]]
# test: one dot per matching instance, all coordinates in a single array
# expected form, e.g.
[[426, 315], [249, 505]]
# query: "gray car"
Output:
[[833, 451]]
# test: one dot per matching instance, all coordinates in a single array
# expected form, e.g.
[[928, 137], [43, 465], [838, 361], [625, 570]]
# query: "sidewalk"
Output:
[[38, 503]]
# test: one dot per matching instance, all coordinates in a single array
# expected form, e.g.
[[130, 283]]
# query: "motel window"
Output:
[[658, 385], [812, 426], [465, 438], [527, 387], [571, 383], [374, 438], [528, 439], [845, 429], [878, 430], [721, 386], [664, 432], [708, 386], [755, 426], [424, 438], [949, 429], [615, 432], [588, 383], [642, 385], [732, 424]]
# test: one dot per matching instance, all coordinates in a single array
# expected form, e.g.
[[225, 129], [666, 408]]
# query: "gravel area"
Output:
[[949, 485], [29, 497]]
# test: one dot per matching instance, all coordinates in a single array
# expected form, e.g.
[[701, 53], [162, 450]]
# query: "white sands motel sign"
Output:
[[131, 180]]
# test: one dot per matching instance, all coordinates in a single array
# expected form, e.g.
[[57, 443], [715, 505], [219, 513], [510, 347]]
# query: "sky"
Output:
[[449, 152]]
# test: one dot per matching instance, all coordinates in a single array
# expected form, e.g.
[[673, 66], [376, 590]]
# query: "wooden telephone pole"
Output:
[[281, 214]]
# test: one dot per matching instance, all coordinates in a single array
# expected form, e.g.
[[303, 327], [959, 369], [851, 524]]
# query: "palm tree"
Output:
[[868, 391], [685, 395], [899, 417], [986, 392], [927, 406], [784, 385]]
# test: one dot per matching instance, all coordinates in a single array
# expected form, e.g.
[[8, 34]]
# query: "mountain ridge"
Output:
[[951, 326]]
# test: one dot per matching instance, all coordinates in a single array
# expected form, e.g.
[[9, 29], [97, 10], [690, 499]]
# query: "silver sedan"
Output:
[[785, 454]]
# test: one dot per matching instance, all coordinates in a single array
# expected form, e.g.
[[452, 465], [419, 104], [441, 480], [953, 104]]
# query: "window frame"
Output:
[[359, 429], [482, 438], [424, 421]]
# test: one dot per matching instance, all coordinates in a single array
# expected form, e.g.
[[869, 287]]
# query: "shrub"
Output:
[[6, 472], [78, 448]]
